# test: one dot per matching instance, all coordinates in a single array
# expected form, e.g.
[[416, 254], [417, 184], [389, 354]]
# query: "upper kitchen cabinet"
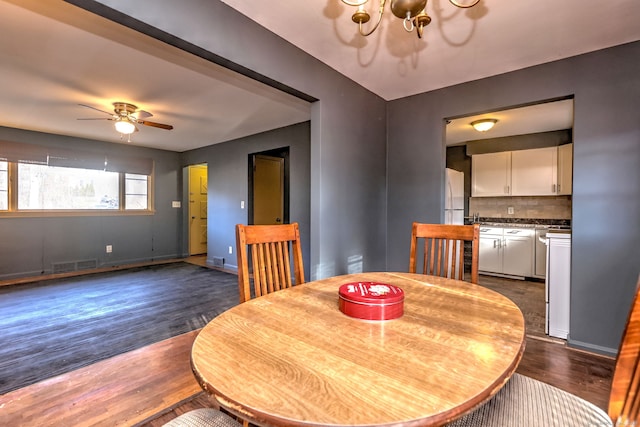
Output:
[[565, 169], [491, 174], [534, 172]]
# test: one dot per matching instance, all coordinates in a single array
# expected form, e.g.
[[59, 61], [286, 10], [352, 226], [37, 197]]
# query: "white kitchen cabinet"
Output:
[[537, 172], [506, 251], [518, 252], [565, 169], [534, 172], [491, 174], [490, 253]]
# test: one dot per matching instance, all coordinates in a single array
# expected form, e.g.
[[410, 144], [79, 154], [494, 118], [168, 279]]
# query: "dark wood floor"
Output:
[[151, 385], [529, 296], [57, 326]]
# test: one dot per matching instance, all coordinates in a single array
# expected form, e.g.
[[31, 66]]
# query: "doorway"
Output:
[[547, 126], [269, 187], [197, 209]]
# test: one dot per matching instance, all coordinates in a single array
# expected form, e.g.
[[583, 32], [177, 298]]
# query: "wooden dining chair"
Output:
[[524, 401], [271, 248], [443, 249]]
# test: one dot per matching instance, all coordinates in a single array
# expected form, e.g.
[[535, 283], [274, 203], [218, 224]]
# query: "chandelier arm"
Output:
[[354, 3], [461, 6], [404, 24], [380, 12]]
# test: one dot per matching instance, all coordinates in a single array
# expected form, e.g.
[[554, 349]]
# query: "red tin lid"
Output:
[[371, 292]]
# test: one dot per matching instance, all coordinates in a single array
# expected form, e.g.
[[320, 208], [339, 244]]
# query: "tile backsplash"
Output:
[[543, 207]]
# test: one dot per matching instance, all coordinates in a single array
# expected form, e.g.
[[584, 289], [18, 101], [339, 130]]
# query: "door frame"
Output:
[[283, 153]]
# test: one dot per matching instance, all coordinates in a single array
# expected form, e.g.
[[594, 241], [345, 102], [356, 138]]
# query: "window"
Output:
[[136, 191], [42, 187], [36, 179], [4, 186]]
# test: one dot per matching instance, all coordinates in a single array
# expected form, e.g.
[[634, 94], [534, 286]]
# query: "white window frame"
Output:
[[13, 211]]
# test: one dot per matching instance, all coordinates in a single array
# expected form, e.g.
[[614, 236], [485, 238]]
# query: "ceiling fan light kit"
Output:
[[124, 126], [483, 125], [412, 12]]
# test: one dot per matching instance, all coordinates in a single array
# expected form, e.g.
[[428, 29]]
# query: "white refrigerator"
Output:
[[454, 198]]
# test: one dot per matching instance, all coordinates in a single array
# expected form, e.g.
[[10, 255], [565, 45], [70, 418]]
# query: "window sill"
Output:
[[77, 213]]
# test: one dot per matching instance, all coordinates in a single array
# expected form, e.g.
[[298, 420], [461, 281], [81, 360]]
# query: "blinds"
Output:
[[54, 156], [22, 153], [135, 165]]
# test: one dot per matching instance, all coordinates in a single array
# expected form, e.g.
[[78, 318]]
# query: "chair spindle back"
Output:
[[272, 247], [443, 249]]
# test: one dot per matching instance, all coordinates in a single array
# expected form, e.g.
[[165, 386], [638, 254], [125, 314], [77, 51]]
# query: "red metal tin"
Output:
[[371, 300]]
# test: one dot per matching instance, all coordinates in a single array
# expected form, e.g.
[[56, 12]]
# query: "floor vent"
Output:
[[67, 267], [87, 264], [218, 261], [63, 267]]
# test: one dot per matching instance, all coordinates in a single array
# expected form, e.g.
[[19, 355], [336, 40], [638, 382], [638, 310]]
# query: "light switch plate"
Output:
[[510, 210], [176, 204]]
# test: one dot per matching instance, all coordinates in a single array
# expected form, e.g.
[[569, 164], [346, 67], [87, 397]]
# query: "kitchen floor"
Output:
[[528, 296]]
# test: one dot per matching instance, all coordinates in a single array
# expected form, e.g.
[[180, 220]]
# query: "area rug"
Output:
[[51, 327]]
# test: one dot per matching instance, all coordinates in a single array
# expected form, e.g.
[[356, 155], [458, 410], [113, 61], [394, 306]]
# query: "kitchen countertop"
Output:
[[548, 224], [559, 231]]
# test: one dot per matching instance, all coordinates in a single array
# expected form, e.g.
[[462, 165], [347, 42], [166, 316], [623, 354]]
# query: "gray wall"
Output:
[[228, 185], [29, 245], [606, 189], [348, 129]]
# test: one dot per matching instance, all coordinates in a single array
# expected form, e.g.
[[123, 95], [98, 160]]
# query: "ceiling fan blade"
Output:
[[155, 125], [97, 118], [97, 109], [141, 114]]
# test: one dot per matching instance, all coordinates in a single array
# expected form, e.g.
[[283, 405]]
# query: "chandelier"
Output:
[[413, 12]]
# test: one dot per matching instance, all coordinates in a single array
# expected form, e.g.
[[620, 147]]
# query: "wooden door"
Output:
[[197, 209], [268, 190]]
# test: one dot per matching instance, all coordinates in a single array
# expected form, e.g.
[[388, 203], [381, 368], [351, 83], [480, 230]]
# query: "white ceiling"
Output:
[[460, 45], [44, 77], [545, 117]]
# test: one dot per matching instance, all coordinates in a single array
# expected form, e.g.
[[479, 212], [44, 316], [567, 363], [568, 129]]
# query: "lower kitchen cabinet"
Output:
[[490, 256], [507, 251]]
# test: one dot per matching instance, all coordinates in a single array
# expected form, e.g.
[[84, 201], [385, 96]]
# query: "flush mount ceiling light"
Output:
[[483, 125], [413, 12], [124, 126]]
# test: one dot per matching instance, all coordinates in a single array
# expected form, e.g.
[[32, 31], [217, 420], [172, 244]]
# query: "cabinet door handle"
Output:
[[554, 188], [495, 243], [504, 243], [558, 188]]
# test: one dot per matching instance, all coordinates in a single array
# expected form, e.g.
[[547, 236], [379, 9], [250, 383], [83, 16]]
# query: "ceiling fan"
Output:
[[126, 116]]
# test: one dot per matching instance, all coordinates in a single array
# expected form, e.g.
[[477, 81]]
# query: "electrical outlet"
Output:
[[230, 249], [510, 210], [176, 204], [109, 249]]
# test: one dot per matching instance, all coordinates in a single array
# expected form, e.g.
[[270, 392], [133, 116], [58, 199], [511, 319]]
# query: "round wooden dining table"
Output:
[[292, 358]]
